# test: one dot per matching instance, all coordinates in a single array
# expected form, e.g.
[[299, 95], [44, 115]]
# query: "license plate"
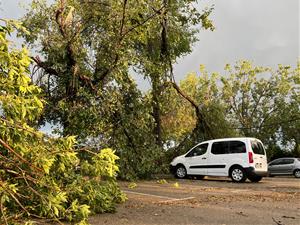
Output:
[[258, 165]]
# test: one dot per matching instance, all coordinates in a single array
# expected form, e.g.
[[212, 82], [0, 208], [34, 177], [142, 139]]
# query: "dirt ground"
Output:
[[209, 201]]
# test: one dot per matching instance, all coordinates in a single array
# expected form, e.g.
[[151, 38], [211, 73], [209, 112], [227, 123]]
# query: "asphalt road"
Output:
[[209, 201]]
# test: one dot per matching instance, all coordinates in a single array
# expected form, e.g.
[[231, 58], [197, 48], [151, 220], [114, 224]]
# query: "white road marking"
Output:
[[157, 196], [238, 191], [176, 200], [170, 199]]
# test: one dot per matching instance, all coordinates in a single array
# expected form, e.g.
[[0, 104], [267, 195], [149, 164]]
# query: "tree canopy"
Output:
[[88, 52]]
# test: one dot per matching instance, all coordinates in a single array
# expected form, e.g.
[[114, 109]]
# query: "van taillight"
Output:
[[250, 156]]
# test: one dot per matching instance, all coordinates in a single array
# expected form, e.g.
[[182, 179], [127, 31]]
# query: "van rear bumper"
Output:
[[250, 171]]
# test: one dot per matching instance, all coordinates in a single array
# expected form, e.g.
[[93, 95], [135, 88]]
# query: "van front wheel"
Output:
[[238, 174], [180, 172]]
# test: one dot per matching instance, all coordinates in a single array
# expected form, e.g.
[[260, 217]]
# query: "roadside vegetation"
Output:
[[81, 80]]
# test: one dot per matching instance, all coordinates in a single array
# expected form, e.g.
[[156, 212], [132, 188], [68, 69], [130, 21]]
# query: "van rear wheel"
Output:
[[255, 178], [238, 174]]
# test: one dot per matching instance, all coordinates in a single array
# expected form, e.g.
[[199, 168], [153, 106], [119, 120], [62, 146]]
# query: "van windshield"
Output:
[[257, 148]]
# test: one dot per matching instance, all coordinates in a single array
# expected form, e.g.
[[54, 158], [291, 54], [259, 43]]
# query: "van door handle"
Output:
[[203, 158]]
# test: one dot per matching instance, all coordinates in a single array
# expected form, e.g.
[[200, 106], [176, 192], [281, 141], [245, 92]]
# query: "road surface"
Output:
[[209, 201]]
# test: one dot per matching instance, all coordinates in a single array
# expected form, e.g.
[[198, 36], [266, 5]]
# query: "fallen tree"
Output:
[[42, 177]]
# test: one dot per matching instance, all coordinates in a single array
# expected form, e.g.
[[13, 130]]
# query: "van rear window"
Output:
[[257, 148], [237, 147]]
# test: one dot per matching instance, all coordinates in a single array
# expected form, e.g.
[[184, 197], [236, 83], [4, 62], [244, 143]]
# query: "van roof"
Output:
[[232, 139]]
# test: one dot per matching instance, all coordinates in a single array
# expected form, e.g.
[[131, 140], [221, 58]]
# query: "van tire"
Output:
[[237, 174], [297, 173], [255, 179], [180, 172]]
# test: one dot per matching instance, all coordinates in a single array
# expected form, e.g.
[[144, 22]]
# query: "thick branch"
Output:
[[44, 66], [142, 23], [186, 97], [164, 52], [201, 124], [5, 145], [59, 18], [123, 17], [102, 76]]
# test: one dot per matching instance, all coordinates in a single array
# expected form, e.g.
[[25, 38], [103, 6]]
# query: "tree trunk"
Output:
[[156, 110]]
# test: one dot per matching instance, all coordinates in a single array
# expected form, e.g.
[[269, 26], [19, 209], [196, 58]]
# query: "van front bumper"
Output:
[[250, 171]]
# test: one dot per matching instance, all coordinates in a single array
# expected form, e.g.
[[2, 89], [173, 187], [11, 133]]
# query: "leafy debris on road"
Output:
[[132, 185], [176, 185], [162, 181]]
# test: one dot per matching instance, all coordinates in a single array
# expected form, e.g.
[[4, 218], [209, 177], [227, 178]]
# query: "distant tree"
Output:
[[246, 101], [257, 99], [181, 123], [290, 113]]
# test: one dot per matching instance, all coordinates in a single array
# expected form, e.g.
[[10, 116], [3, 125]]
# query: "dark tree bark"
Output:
[[155, 78], [156, 110]]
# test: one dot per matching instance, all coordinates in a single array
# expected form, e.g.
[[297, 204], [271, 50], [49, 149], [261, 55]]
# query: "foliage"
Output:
[[42, 176], [289, 112], [262, 102], [176, 185], [205, 91], [162, 181], [88, 48], [172, 36], [131, 134], [87, 51], [245, 101], [180, 120], [132, 185]]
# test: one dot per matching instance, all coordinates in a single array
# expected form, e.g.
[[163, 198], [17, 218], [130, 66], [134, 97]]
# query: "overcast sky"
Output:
[[264, 31]]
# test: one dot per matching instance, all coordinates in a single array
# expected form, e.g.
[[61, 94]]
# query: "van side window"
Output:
[[221, 147], [237, 147], [198, 150], [257, 148]]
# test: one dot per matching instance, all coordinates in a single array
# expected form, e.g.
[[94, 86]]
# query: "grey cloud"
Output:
[[264, 31], [13, 9]]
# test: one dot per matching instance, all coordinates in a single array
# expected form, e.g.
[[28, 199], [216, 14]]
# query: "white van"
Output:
[[238, 158]]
